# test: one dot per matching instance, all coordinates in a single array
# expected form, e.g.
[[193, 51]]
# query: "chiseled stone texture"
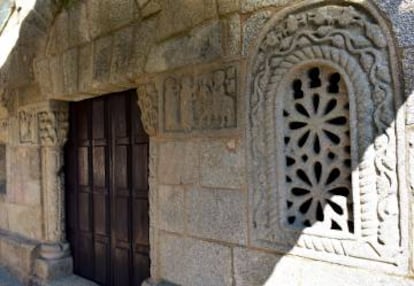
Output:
[[222, 163], [408, 69], [217, 214], [296, 271], [401, 14], [202, 44], [250, 5], [250, 27], [25, 220], [24, 182], [171, 208], [178, 162], [253, 268], [188, 261], [177, 16]]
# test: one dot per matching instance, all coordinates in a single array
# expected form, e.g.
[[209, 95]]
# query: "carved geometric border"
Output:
[[375, 183]]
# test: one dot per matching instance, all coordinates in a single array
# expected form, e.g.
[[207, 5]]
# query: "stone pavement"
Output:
[[7, 279]]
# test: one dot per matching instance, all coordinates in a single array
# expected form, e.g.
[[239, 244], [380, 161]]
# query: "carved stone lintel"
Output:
[[148, 104]]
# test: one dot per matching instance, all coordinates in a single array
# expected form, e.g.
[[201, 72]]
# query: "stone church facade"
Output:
[[271, 142]]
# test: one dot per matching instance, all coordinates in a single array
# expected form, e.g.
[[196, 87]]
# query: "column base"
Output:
[[54, 262]]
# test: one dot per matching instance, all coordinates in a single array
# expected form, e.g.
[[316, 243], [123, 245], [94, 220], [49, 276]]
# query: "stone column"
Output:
[[54, 259]]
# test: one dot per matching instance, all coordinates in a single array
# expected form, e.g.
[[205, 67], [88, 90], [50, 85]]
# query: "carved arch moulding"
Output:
[[324, 137]]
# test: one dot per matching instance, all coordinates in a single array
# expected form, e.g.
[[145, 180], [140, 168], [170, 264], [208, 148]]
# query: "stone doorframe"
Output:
[[48, 128]]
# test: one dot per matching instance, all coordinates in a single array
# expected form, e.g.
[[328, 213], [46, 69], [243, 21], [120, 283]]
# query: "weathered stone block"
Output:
[[144, 35], [24, 182], [59, 35], [178, 16], [25, 220], [253, 268], [295, 271], [408, 69], [232, 41], [16, 253], [121, 54], [401, 15], [171, 208], [251, 5], [43, 75], [410, 139], [4, 216], [85, 66], [70, 71], [178, 162], [193, 262], [46, 270], [102, 59], [251, 27], [222, 164], [217, 214], [79, 32], [228, 6], [55, 65], [121, 12], [150, 8], [203, 44]]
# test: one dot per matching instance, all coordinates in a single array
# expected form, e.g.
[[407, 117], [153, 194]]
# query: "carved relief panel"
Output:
[[322, 94], [205, 101]]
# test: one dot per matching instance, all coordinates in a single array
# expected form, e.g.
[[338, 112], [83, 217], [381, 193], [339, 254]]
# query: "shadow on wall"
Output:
[[326, 145]]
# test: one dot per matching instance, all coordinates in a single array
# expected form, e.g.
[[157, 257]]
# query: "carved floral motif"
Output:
[[350, 42]]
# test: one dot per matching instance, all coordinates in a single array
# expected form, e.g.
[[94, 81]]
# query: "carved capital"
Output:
[[148, 104], [53, 126]]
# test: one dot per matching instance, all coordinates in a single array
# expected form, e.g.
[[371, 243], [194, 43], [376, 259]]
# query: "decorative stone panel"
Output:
[[148, 104], [322, 144], [205, 101]]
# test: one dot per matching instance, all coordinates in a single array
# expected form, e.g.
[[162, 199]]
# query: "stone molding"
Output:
[[353, 40]]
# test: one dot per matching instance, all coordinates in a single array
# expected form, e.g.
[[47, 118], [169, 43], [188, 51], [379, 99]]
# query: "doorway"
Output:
[[107, 190]]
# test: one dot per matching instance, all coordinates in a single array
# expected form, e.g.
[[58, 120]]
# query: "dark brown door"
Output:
[[107, 190]]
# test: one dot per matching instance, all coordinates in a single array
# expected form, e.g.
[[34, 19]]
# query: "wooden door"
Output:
[[107, 190]]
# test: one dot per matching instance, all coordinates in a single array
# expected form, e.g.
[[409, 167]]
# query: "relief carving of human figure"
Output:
[[187, 96], [204, 102], [223, 109]]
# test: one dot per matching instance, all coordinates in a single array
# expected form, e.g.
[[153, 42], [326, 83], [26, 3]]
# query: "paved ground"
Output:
[[7, 279]]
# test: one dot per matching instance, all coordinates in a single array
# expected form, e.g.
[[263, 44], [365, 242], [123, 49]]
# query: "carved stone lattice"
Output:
[[322, 138], [317, 152]]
